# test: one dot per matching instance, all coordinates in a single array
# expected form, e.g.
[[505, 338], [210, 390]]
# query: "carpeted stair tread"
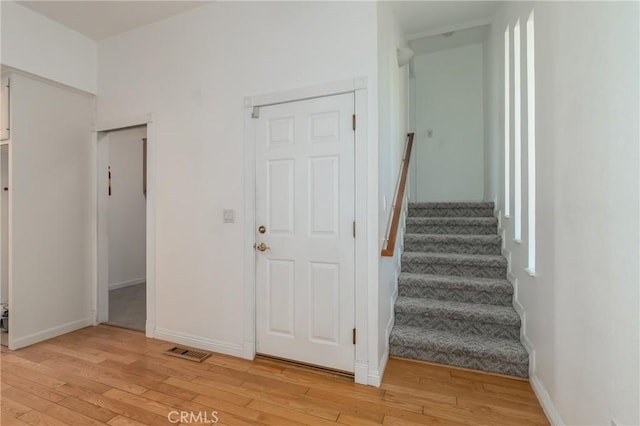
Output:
[[489, 291], [460, 259], [457, 283], [453, 243], [506, 350], [454, 205], [462, 221], [456, 209], [492, 314], [454, 238], [452, 225], [464, 265], [504, 356]]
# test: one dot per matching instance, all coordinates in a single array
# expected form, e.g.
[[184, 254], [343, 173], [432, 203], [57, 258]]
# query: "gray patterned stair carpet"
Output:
[[454, 302]]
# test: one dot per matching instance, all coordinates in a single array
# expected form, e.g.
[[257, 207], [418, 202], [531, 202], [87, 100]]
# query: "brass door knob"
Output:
[[262, 229], [262, 247]]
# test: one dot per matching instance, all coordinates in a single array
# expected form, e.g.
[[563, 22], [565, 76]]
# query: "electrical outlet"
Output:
[[228, 216]]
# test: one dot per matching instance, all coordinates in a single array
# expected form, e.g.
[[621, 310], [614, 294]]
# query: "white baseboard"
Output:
[[516, 294], [528, 346], [49, 333], [200, 343], [123, 284], [519, 308], [375, 377], [527, 343], [150, 329], [361, 373], [545, 400], [249, 350]]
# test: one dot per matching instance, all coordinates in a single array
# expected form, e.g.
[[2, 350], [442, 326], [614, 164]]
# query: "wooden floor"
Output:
[[106, 375]]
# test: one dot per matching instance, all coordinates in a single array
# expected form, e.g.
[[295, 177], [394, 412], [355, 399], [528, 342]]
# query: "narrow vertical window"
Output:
[[517, 136], [507, 125], [531, 142]]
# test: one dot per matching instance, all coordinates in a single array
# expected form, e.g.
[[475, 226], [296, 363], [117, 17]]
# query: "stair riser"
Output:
[[465, 212], [452, 247], [476, 328], [452, 229], [475, 363], [466, 296], [455, 269]]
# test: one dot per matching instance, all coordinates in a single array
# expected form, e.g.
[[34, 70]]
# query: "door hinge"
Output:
[[354, 229], [353, 122], [354, 336]]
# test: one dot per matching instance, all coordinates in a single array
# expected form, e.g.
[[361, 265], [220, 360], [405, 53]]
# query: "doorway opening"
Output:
[[122, 173]]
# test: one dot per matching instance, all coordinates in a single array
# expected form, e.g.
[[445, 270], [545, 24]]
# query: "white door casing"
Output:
[[305, 200], [101, 292]]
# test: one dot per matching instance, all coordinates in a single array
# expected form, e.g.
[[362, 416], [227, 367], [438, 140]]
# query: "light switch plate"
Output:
[[228, 216]]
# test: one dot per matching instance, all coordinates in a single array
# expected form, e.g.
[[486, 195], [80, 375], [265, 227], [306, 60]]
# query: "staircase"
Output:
[[454, 303]]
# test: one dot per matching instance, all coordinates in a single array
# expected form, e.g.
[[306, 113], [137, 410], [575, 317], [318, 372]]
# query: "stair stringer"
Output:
[[399, 250], [524, 339]]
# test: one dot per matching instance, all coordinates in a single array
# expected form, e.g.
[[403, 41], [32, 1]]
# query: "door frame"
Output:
[[366, 248], [101, 287]]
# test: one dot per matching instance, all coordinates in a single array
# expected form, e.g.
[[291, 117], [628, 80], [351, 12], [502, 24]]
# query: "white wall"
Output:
[[393, 101], [492, 136], [192, 71], [449, 101], [127, 208], [581, 309], [52, 198], [4, 225], [33, 43], [412, 179]]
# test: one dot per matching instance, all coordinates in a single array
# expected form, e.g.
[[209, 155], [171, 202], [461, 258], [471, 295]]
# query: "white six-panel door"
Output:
[[305, 202]]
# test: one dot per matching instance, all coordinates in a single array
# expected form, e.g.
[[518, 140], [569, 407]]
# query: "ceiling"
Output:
[[451, 41], [420, 18], [98, 19], [102, 19]]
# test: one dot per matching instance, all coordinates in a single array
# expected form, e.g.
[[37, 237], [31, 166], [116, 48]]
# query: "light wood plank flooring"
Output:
[[106, 375]]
